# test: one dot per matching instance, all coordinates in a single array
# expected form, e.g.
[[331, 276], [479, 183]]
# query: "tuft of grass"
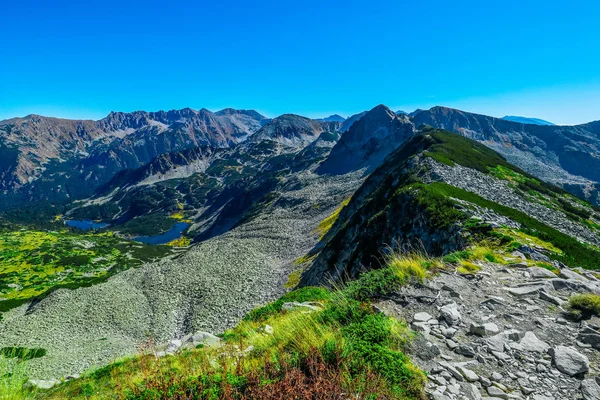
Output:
[[400, 269], [328, 222], [22, 353], [584, 306], [14, 377], [487, 252], [408, 266], [301, 295], [467, 267]]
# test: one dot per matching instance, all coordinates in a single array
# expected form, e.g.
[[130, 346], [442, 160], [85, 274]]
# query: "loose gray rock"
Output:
[[551, 299], [569, 361], [205, 338], [530, 342], [422, 317], [569, 274], [486, 329], [469, 375], [590, 390], [44, 384], [538, 272], [450, 314]]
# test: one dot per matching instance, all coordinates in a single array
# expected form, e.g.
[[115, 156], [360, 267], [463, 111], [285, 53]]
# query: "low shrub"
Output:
[[584, 306]]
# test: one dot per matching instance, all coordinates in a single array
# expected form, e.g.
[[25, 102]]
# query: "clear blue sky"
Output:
[[82, 59]]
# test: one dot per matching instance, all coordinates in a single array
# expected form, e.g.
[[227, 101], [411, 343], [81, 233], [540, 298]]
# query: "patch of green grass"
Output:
[[300, 295], [14, 375], [467, 267], [399, 270]]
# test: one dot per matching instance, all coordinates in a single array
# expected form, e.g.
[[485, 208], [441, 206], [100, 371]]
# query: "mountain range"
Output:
[[61, 161], [439, 241]]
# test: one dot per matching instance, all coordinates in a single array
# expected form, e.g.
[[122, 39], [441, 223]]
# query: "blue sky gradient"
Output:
[[81, 59]]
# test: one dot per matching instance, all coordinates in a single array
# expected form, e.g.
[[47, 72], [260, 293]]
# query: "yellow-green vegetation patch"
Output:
[[301, 263], [32, 262], [180, 242], [521, 238], [584, 305], [504, 173], [328, 222], [467, 267], [483, 251]]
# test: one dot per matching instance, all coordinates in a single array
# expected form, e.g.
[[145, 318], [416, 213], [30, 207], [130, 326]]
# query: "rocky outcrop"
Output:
[[476, 340]]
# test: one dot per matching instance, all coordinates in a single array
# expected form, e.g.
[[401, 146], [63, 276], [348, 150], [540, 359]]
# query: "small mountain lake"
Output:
[[85, 225], [172, 234]]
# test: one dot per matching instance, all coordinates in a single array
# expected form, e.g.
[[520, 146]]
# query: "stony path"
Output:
[[502, 334]]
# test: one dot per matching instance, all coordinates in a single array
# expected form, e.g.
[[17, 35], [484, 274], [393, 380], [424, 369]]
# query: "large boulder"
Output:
[[205, 338], [569, 361]]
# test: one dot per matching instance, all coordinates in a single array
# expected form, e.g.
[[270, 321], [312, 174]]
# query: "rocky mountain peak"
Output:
[[366, 143], [290, 129]]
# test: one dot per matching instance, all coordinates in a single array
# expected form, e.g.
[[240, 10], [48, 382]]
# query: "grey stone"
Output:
[[450, 314], [569, 361], [530, 342], [295, 305], [494, 391], [422, 317], [524, 290], [465, 350], [496, 376], [551, 299], [205, 338], [450, 368], [538, 272], [470, 391], [486, 329], [173, 346], [569, 274], [590, 390], [485, 382], [44, 384], [469, 375]]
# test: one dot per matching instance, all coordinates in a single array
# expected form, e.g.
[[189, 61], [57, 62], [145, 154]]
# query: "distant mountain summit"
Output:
[[366, 143], [525, 120], [333, 118]]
